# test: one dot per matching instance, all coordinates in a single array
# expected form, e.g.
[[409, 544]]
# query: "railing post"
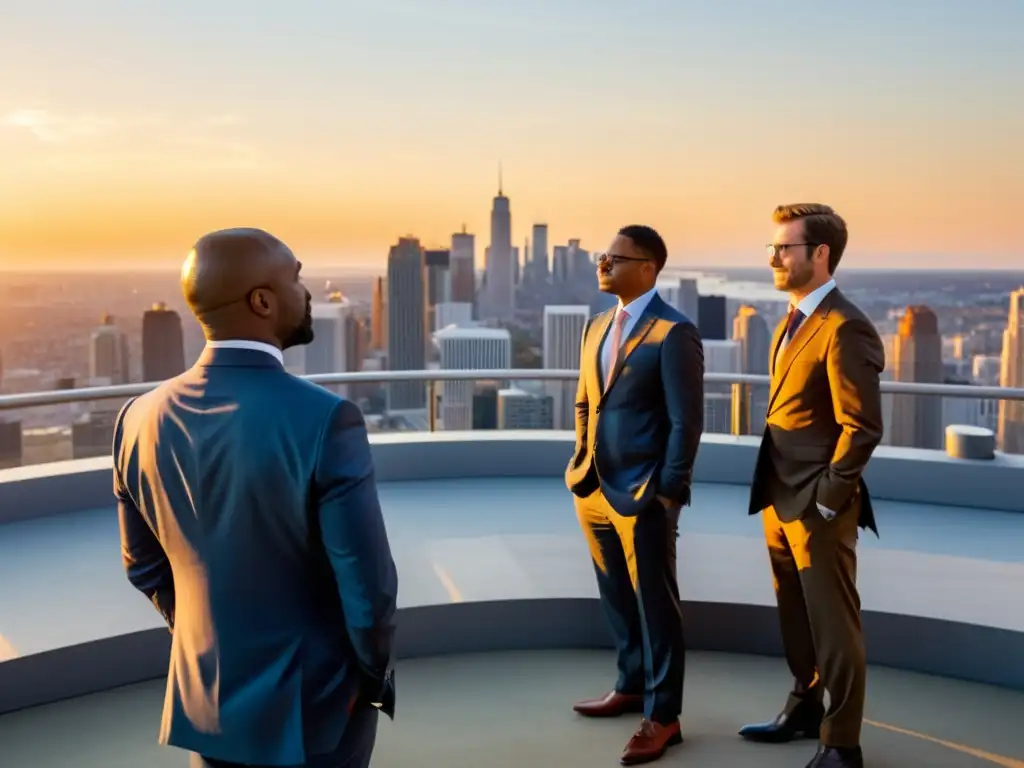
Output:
[[740, 421], [432, 404]]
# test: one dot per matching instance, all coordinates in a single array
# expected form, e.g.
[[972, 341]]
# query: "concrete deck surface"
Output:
[[513, 538], [514, 710]]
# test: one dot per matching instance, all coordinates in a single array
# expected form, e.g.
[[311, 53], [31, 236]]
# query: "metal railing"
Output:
[[741, 384]]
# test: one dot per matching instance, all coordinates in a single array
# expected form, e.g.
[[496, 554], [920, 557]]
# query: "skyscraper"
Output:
[[379, 316], [500, 303], [751, 331], [108, 353], [328, 352], [462, 267], [917, 356], [1011, 413], [711, 315], [563, 335], [539, 252], [163, 343], [438, 281], [407, 313]]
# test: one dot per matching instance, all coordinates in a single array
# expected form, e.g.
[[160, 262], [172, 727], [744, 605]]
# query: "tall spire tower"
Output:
[[500, 260]]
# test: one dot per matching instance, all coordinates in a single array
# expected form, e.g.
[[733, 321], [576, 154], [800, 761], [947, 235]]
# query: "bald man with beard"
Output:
[[249, 518]]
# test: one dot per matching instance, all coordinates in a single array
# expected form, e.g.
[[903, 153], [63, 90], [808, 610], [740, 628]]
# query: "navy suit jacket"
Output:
[[638, 437], [249, 517]]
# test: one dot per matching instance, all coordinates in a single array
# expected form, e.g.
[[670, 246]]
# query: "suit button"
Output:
[[597, 409]]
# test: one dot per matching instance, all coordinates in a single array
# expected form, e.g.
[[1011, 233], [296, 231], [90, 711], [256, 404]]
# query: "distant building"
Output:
[[163, 344], [917, 357], [521, 410], [711, 317], [464, 349], [407, 317]]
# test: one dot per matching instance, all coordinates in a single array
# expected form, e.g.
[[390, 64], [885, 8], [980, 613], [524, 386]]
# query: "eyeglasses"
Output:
[[777, 249], [614, 258]]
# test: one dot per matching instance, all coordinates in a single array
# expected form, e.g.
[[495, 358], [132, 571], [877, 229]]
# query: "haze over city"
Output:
[[125, 133]]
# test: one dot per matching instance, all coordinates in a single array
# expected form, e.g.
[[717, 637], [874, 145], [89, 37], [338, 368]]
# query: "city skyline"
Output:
[[342, 128]]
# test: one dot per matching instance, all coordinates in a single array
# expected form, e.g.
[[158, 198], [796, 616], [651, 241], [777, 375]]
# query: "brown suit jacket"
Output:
[[824, 415]]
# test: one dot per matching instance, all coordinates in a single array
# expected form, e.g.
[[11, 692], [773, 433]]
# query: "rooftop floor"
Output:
[[514, 710], [506, 538]]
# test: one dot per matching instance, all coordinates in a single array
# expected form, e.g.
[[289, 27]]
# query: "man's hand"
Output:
[[667, 503]]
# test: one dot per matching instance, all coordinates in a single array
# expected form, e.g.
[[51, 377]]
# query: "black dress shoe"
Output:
[[837, 757], [802, 722]]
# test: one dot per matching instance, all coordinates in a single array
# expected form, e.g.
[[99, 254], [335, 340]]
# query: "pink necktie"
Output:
[[613, 360]]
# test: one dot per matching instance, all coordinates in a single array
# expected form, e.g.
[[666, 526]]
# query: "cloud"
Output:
[[55, 128]]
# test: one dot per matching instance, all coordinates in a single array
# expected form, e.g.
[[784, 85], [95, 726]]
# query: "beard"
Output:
[[798, 278], [303, 333]]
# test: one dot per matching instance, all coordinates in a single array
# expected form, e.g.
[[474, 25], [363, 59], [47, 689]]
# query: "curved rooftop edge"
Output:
[[943, 587]]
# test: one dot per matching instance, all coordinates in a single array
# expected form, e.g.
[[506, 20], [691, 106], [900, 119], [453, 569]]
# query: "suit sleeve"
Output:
[[855, 361], [142, 555], [582, 402], [682, 378], [356, 542]]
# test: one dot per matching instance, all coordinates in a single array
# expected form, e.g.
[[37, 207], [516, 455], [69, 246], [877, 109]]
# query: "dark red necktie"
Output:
[[795, 318]]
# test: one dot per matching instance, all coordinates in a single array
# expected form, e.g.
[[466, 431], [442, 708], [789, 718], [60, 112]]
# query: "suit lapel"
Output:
[[776, 341], [600, 332], [807, 330], [643, 326]]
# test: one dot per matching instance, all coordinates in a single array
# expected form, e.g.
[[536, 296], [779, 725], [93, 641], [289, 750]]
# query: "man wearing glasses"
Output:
[[639, 418], [824, 420]]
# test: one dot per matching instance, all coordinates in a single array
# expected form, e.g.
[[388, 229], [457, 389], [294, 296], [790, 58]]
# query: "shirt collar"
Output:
[[812, 300], [636, 307], [257, 346]]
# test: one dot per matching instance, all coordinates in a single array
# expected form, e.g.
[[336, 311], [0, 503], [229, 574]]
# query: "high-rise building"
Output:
[[563, 335], [328, 352], [108, 353], [500, 300], [379, 316], [463, 349], [917, 357], [163, 344], [539, 251], [439, 286], [688, 299], [1011, 413], [462, 266], [711, 317], [560, 271], [750, 330], [407, 317]]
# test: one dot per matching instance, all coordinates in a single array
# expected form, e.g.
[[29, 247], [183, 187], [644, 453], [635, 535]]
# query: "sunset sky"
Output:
[[130, 127]]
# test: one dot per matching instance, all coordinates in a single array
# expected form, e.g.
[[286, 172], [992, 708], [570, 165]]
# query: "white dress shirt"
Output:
[[634, 309], [809, 303], [256, 346]]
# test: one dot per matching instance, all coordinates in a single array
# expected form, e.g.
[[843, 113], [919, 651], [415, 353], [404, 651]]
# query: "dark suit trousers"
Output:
[[635, 562], [814, 564], [355, 749]]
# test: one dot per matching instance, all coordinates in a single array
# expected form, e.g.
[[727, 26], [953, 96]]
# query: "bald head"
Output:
[[244, 283], [223, 267]]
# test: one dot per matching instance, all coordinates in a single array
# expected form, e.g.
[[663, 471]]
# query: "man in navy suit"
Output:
[[639, 418], [249, 517]]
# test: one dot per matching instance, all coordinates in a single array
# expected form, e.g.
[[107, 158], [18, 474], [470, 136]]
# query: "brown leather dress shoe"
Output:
[[610, 705], [650, 742]]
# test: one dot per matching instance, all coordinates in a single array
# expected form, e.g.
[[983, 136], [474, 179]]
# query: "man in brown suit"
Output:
[[824, 420]]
